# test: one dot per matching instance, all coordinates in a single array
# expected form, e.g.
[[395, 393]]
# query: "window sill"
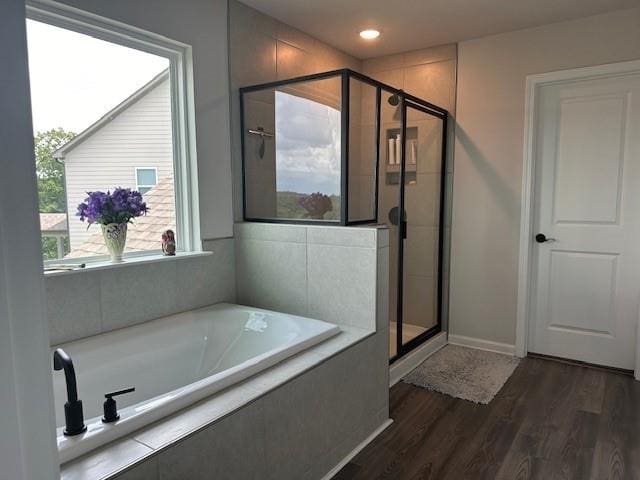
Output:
[[126, 262]]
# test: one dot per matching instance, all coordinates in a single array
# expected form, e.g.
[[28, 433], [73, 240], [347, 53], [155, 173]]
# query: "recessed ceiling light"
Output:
[[369, 34]]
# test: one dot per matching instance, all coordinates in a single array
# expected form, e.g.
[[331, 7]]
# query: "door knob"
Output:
[[542, 238]]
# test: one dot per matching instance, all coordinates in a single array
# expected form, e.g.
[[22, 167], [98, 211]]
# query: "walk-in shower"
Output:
[[342, 148]]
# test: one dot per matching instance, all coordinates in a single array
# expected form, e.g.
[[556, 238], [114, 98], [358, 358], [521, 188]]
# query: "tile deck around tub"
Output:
[[109, 460]]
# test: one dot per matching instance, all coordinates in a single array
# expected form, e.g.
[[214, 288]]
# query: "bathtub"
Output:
[[174, 362]]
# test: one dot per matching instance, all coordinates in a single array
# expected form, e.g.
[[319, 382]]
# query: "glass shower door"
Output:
[[389, 196], [420, 239]]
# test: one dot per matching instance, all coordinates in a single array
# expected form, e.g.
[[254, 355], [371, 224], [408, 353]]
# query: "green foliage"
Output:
[[50, 171], [50, 247], [289, 207]]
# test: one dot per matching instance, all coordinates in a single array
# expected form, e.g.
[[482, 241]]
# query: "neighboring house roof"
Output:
[[110, 115], [145, 233], [53, 223]]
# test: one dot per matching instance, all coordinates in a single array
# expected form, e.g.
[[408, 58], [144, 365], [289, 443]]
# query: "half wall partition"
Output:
[[342, 148]]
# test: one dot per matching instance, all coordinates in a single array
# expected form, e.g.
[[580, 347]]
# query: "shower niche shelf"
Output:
[[392, 173]]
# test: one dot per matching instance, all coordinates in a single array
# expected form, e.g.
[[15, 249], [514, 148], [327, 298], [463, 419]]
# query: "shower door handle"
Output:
[[394, 218]]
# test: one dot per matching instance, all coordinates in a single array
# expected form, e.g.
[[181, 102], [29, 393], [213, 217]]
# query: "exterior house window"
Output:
[[146, 179], [119, 104]]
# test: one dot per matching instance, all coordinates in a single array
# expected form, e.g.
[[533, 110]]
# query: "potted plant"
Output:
[[113, 211], [316, 205]]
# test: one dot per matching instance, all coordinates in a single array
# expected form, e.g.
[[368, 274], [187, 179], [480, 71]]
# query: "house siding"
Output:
[[140, 136]]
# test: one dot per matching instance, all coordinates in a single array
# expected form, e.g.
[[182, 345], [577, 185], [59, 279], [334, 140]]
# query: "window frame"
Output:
[[182, 110], [139, 185]]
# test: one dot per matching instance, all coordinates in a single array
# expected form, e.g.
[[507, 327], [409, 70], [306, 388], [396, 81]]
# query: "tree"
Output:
[[50, 170], [50, 247]]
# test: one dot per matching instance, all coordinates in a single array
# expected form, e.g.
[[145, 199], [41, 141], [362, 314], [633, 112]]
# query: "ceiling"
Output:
[[412, 24]]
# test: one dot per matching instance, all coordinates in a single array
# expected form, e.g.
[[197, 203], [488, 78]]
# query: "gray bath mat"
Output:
[[466, 373]]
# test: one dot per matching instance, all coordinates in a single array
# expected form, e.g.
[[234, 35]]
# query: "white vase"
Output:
[[115, 237]]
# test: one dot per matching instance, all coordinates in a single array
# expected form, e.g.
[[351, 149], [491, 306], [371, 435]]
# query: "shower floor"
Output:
[[409, 332]]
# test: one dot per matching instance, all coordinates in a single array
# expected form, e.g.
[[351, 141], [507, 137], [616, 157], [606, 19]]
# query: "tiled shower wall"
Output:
[[429, 74], [262, 49]]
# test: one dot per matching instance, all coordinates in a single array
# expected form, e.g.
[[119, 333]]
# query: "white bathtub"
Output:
[[172, 363]]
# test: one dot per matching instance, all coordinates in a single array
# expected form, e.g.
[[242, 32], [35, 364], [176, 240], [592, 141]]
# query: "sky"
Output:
[[76, 79], [307, 146]]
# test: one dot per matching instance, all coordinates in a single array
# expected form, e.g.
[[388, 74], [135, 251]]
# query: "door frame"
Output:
[[27, 431], [526, 270]]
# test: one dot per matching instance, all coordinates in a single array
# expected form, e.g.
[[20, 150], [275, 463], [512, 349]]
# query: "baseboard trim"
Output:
[[404, 365], [482, 344], [334, 471]]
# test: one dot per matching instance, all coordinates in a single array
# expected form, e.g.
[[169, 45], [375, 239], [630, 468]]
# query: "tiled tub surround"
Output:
[[296, 421], [299, 419], [174, 362], [89, 302]]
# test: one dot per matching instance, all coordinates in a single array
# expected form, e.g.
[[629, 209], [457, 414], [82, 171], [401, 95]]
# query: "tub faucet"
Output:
[[74, 418]]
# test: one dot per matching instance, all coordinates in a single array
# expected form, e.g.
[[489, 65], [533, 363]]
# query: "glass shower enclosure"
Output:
[[342, 148]]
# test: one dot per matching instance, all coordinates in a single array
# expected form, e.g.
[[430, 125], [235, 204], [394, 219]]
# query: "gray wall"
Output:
[[203, 25], [489, 152]]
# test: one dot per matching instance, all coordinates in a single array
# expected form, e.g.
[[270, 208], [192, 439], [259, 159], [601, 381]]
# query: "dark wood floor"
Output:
[[550, 421]]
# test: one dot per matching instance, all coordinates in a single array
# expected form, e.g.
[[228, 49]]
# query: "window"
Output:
[[292, 158], [307, 158], [115, 114], [146, 179]]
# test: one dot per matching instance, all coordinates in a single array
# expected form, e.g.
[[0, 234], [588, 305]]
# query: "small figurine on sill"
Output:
[[168, 243]]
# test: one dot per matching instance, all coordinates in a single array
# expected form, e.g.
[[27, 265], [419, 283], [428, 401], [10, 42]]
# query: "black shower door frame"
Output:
[[345, 75], [402, 348]]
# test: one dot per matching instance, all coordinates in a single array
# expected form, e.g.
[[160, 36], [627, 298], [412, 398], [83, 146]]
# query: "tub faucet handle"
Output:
[[110, 408], [73, 415]]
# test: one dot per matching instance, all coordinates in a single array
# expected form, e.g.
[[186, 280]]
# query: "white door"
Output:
[[586, 283]]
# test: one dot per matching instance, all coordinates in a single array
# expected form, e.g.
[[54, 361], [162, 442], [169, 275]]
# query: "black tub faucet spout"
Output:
[[74, 418]]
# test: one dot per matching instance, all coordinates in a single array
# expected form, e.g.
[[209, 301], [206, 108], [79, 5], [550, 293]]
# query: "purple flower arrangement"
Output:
[[316, 204], [121, 206]]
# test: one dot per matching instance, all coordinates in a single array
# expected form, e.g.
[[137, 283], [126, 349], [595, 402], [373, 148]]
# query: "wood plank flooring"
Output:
[[550, 421]]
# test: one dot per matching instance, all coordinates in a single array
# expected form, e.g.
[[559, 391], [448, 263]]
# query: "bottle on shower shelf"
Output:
[[392, 151], [413, 157]]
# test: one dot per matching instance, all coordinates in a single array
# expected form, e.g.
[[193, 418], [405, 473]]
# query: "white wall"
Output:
[[140, 136], [27, 444], [488, 156], [203, 25]]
